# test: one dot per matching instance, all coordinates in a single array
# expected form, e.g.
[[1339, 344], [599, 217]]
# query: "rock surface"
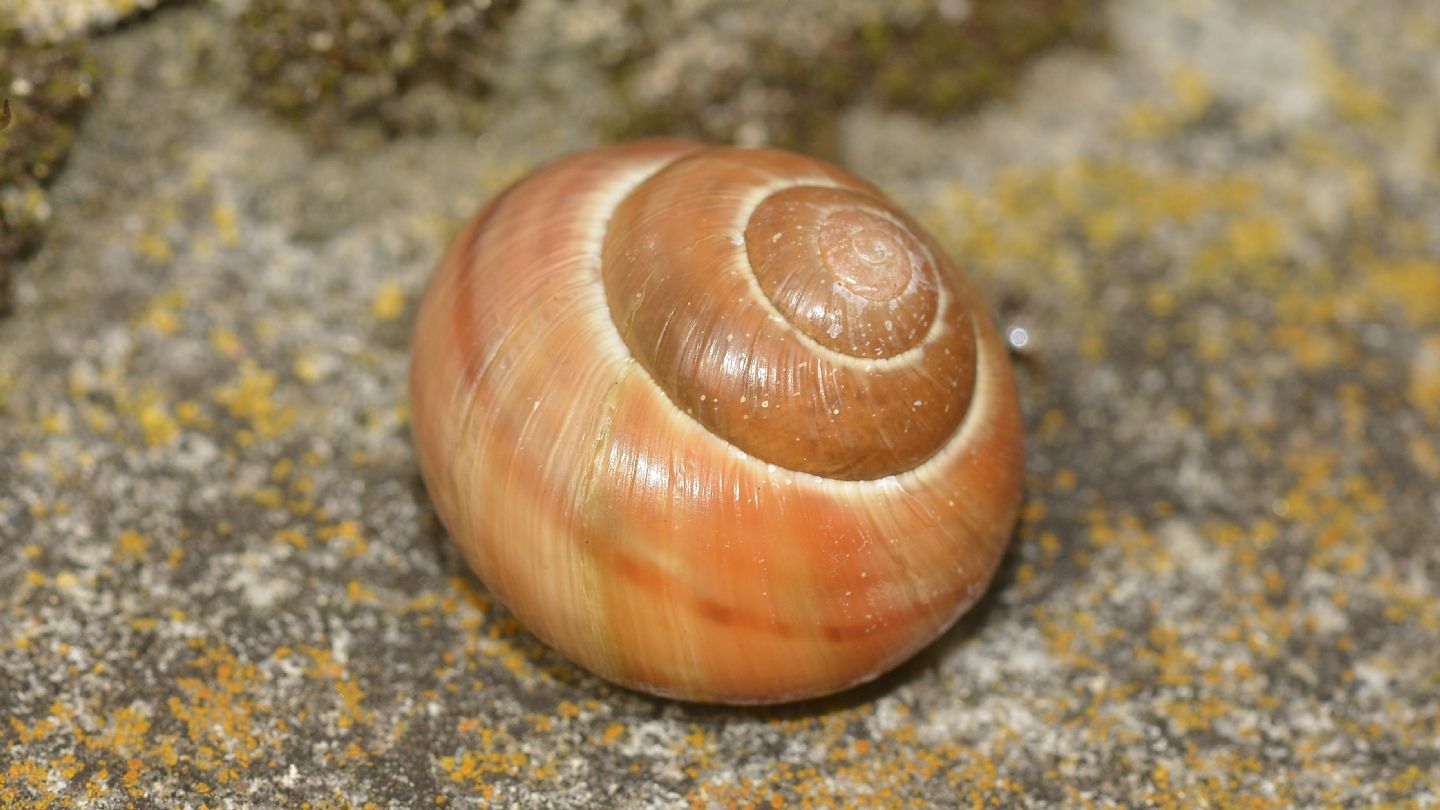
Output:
[[221, 584]]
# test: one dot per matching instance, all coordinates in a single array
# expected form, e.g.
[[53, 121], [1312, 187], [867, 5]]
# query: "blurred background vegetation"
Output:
[[753, 72]]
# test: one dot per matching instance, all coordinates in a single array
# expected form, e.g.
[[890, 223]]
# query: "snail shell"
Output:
[[719, 424]]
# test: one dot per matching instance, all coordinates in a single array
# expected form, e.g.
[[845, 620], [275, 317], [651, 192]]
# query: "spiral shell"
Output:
[[719, 424]]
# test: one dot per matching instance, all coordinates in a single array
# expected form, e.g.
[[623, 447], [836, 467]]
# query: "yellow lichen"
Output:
[[389, 302], [132, 544]]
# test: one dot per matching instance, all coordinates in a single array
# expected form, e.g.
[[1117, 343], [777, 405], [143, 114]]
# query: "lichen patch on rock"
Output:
[[221, 583]]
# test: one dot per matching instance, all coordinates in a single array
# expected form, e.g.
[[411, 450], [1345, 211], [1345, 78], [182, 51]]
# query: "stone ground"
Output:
[[221, 584]]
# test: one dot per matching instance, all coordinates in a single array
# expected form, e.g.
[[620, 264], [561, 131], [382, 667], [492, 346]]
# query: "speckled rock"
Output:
[[47, 87], [221, 584], [406, 65], [53, 20], [767, 72], [752, 72]]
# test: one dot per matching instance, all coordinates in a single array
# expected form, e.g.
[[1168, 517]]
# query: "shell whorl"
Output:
[[603, 389], [800, 317]]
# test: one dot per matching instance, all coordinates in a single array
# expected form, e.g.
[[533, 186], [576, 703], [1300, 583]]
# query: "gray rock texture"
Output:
[[222, 585]]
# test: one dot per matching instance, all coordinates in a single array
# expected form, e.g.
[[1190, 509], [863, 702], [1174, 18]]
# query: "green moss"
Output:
[[332, 64], [937, 68], [777, 96], [933, 66], [50, 86]]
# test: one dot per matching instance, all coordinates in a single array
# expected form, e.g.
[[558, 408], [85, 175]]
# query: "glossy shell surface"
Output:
[[718, 424]]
